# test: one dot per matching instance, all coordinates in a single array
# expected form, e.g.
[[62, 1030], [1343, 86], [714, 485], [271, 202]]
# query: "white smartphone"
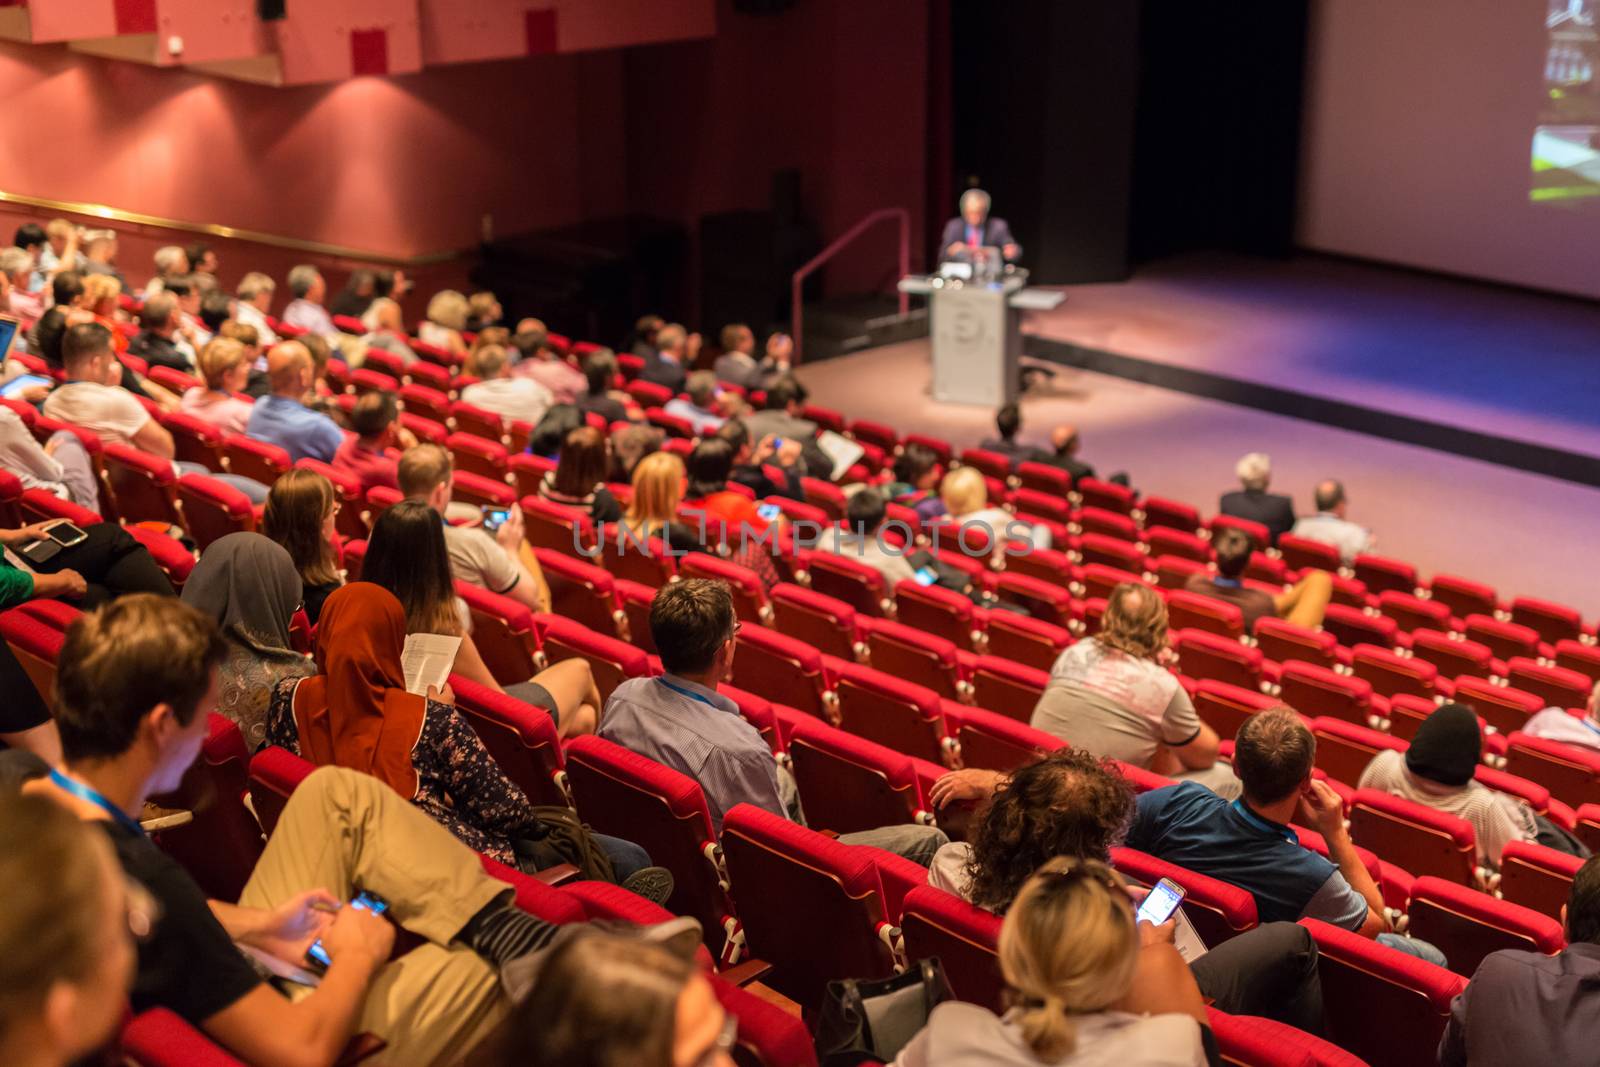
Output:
[[1162, 901]]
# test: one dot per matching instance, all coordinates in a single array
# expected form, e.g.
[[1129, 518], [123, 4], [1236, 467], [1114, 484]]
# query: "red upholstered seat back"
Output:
[[1467, 925], [1420, 839], [626, 795], [965, 938], [521, 738], [809, 905], [996, 742], [848, 783], [1387, 1007], [1217, 910]]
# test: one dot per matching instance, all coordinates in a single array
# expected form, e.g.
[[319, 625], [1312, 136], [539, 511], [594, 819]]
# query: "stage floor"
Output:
[[1525, 533], [1480, 369]]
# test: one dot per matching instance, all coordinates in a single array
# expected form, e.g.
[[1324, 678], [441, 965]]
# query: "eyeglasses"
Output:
[[726, 1038]]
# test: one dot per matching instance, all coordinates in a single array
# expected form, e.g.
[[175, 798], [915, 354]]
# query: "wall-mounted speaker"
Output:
[[270, 10]]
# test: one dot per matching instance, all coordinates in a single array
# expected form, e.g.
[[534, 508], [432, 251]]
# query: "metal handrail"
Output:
[[797, 307]]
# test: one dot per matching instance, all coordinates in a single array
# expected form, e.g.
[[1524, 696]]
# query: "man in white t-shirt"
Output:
[[92, 399], [499, 392], [1111, 695]]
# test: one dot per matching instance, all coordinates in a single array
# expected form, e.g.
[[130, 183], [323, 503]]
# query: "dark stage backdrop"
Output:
[[1113, 133]]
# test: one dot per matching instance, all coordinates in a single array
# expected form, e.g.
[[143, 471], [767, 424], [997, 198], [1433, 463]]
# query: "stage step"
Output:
[[841, 325]]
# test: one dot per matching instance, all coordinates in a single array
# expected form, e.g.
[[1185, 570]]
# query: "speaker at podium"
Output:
[[976, 332]]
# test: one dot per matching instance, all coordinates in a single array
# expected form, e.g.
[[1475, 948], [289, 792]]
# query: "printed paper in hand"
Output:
[[843, 451], [427, 661]]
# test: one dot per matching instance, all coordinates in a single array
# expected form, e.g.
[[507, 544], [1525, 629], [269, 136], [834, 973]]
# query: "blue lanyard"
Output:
[[83, 792], [690, 693], [1227, 583], [1589, 725], [1262, 824]]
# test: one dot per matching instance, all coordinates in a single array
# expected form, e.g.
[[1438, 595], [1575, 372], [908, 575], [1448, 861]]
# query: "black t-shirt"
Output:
[[189, 964]]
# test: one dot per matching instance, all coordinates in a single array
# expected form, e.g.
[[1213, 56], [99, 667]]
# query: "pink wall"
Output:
[[404, 165], [835, 87]]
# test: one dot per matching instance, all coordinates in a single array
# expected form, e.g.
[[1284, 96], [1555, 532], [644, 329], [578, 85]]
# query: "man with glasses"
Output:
[[680, 720]]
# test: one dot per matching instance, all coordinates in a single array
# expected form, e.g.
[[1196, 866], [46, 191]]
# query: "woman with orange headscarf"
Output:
[[356, 713]]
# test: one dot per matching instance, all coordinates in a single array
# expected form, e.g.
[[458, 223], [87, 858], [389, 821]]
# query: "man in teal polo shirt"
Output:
[[1249, 843]]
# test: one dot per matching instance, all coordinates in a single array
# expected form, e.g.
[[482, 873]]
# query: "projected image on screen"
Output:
[[1566, 145]]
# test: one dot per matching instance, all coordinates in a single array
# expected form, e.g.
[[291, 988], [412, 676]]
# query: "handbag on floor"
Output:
[[873, 1019], [564, 839]]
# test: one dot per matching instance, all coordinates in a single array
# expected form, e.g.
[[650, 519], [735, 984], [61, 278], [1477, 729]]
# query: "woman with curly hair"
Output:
[[1071, 804], [1113, 695]]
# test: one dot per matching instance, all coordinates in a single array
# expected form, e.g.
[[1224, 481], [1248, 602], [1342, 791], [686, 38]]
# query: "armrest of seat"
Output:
[[560, 874], [742, 974]]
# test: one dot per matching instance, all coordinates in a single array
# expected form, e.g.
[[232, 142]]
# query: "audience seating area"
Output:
[[870, 692]]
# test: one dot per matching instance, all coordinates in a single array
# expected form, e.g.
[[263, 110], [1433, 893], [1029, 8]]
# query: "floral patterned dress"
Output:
[[460, 785]]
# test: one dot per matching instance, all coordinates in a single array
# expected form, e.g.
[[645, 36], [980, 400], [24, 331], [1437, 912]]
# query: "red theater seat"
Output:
[[1315, 691], [145, 486], [996, 742], [811, 906], [1420, 839], [910, 654], [1252, 1041], [503, 630], [823, 622], [1537, 877], [1222, 659], [1192, 611], [1344, 749], [848, 783], [1386, 1006], [1558, 687], [880, 707], [213, 509], [1570, 772], [965, 938], [861, 586], [1551, 621], [254, 459], [781, 669], [626, 795], [1504, 708], [221, 846], [1025, 640], [937, 611], [581, 592], [1282, 642], [1011, 689], [612, 661], [521, 738], [1467, 925], [1225, 707]]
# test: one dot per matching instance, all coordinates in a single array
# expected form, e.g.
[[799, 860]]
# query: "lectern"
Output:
[[976, 328]]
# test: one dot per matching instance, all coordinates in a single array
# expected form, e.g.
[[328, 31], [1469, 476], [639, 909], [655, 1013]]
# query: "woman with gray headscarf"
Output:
[[249, 584]]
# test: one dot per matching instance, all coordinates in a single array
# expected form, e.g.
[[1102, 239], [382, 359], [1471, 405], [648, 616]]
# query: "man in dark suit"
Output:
[[1272, 510], [976, 228], [676, 350]]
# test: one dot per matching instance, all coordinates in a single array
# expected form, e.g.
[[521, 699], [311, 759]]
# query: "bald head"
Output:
[[1065, 439], [289, 369], [1330, 497]]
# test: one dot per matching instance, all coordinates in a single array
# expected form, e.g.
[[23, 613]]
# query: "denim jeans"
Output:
[[626, 857], [1412, 946]]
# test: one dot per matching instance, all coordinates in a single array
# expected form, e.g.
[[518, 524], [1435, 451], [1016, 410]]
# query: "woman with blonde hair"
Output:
[[483, 311], [447, 317], [300, 514], [653, 507], [1089, 986], [225, 366], [965, 494], [99, 298], [1113, 695]]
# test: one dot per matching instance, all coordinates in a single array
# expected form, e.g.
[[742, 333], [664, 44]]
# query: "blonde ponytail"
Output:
[[1068, 947], [1048, 1029]]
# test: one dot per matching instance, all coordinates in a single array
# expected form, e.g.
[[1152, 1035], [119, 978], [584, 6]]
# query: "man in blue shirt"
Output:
[[1249, 842], [679, 720], [282, 419]]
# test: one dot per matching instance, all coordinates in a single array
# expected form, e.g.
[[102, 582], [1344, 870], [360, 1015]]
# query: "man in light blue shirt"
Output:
[[679, 720], [281, 419]]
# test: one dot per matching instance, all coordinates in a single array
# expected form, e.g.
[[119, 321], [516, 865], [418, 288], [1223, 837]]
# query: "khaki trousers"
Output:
[[343, 830]]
